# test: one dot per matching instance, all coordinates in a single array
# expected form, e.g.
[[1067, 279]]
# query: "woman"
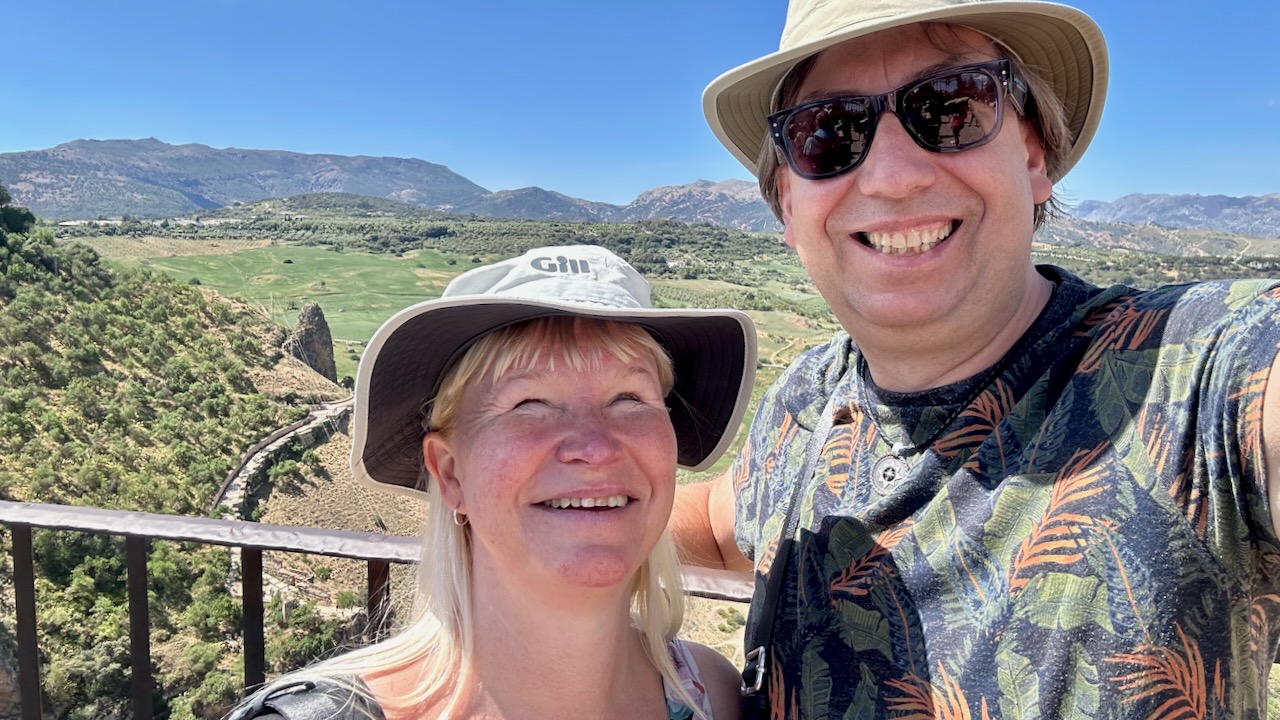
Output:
[[559, 404]]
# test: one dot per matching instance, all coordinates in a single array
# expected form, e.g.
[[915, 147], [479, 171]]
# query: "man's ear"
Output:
[[440, 461], [783, 180], [1037, 171]]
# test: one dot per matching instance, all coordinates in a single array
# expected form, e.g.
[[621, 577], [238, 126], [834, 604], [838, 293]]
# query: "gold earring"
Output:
[[459, 519]]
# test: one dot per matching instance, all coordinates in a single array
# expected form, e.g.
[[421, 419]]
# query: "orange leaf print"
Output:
[[786, 432], [1098, 316], [923, 701], [1059, 537], [916, 699], [781, 707], [1259, 619], [839, 454], [1158, 437], [1176, 678], [990, 408], [766, 558], [1251, 417], [1130, 328], [857, 578]]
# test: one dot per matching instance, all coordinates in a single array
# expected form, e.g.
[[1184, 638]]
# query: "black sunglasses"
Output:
[[949, 111]]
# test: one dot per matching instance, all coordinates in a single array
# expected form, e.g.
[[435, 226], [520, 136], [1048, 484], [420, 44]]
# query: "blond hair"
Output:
[[437, 641], [1044, 110]]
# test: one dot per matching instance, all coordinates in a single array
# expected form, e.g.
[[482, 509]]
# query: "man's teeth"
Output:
[[911, 242], [612, 501]]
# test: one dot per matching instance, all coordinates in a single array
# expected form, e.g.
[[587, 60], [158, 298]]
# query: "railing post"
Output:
[[379, 597], [24, 591], [139, 625], [255, 664]]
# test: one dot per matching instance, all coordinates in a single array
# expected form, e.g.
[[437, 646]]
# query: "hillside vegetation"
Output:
[[122, 389]]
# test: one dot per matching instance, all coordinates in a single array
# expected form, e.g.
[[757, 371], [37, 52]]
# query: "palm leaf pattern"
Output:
[[921, 700], [777, 454], [858, 578], [1085, 541], [1175, 678], [782, 704], [1059, 537], [982, 416], [839, 453], [1251, 430], [1128, 329]]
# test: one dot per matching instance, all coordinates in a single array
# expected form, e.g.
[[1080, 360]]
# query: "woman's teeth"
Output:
[[910, 242], [613, 501]]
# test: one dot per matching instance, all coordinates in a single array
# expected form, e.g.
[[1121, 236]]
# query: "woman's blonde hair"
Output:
[[437, 639]]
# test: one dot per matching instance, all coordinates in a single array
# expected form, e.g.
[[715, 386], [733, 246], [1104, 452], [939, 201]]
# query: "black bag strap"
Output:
[[309, 700], [762, 614]]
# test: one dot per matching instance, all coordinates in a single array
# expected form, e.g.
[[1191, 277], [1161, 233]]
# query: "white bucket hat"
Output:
[[1061, 43], [713, 352]]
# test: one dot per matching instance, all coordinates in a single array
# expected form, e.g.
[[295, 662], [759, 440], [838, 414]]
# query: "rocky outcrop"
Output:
[[312, 343]]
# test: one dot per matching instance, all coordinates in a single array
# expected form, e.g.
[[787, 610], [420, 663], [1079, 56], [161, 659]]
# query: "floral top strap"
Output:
[[691, 680]]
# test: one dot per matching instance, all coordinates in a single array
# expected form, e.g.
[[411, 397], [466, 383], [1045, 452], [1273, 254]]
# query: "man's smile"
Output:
[[908, 242]]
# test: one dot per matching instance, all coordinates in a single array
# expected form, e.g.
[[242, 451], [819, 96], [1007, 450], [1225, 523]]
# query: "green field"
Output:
[[358, 291]]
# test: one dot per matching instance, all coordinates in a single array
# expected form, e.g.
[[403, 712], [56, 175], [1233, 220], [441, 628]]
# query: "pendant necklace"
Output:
[[892, 467]]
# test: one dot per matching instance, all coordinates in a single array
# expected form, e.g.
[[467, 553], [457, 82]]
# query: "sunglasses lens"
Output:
[[827, 138], [948, 112], [952, 112]]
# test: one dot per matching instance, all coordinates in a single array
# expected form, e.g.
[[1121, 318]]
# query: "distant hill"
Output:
[[1257, 216], [87, 179]]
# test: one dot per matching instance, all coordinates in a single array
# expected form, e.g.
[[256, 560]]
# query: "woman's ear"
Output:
[[437, 455]]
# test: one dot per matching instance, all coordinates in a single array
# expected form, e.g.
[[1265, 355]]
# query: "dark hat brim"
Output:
[[713, 353]]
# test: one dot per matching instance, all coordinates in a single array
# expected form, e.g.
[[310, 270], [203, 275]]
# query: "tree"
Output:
[[13, 219]]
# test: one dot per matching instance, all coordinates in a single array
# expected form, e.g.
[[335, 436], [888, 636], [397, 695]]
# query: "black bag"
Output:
[[764, 607], [755, 692], [309, 700]]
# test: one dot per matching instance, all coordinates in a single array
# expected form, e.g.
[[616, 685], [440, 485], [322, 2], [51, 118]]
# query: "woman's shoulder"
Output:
[[717, 676]]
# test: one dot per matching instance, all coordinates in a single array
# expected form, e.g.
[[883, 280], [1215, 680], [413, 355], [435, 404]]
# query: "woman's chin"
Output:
[[597, 570]]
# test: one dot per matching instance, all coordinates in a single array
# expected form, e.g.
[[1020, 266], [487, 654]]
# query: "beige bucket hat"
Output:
[[1061, 42], [713, 352]]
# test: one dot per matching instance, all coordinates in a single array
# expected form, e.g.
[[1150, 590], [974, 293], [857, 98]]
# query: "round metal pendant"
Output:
[[888, 471]]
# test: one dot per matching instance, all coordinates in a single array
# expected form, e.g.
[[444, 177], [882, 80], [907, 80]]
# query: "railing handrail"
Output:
[[698, 581], [139, 528], [213, 531]]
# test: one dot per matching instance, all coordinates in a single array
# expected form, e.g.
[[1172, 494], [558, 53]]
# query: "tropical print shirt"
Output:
[[1089, 538]]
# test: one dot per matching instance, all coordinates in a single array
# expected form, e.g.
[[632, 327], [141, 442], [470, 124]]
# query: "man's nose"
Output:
[[895, 166]]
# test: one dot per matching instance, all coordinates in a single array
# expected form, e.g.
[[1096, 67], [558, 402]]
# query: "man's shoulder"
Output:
[[812, 375], [821, 364], [1206, 302]]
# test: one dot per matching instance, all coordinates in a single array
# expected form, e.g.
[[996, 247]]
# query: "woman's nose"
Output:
[[588, 437]]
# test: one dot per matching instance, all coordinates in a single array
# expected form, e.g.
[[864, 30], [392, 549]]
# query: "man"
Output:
[[1009, 493]]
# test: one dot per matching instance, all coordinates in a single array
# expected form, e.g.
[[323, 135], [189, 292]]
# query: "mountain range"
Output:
[[87, 179]]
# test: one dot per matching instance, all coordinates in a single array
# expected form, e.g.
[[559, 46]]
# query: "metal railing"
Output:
[[139, 529]]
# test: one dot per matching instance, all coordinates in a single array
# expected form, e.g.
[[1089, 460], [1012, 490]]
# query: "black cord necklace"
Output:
[[892, 466]]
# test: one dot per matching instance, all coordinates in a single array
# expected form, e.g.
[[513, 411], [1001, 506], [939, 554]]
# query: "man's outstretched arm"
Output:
[[702, 525]]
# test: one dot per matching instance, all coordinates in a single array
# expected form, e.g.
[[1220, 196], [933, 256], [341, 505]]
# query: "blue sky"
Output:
[[597, 100]]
